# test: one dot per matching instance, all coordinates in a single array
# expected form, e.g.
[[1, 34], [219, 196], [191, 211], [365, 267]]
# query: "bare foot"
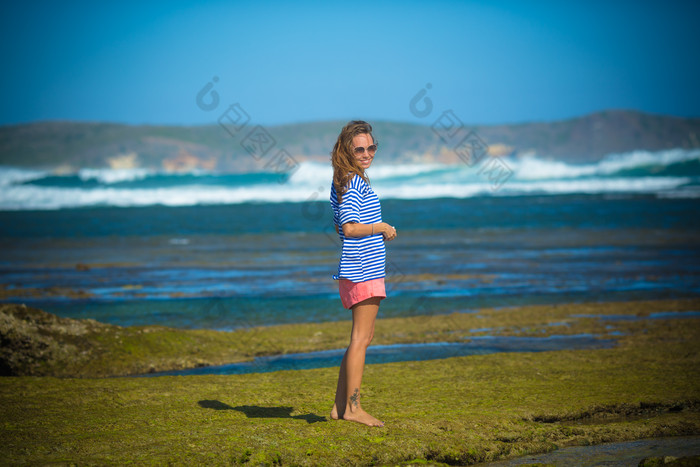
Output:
[[334, 412], [360, 416]]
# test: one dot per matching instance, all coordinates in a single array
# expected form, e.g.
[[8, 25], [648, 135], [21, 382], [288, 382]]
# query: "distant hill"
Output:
[[66, 146]]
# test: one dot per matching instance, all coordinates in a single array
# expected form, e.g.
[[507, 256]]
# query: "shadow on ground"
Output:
[[255, 411]]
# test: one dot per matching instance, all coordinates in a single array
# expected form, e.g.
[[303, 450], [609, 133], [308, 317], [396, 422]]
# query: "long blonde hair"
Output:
[[345, 165]]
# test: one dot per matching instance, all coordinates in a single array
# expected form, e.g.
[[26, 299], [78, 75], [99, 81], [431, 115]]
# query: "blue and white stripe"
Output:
[[363, 258]]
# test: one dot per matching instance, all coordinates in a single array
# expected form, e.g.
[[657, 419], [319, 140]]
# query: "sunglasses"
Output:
[[359, 150]]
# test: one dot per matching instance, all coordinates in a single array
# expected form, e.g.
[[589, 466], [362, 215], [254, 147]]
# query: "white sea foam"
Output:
[[312, 180], [533, 168], [526, 168], [109, 176], [616, 162], [383, 172], [309, 173], [23, 197], [14, 175], [599, 185]]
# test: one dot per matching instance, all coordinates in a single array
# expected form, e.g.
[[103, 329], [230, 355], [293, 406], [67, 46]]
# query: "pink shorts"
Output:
[[352, 293]]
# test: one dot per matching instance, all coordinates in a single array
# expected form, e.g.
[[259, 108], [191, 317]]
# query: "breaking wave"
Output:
[[671, 173]]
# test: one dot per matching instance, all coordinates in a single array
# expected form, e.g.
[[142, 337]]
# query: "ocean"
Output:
[[225, 251], [673, 173]]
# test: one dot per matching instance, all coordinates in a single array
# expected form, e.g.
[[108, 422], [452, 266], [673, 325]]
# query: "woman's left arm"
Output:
[[357, 230]]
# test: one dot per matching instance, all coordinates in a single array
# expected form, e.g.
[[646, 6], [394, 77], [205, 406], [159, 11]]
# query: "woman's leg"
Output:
[[347, 400], [340, 396]]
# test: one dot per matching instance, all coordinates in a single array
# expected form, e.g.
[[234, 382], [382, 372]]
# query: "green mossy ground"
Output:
[[459, 410], [41, 344]]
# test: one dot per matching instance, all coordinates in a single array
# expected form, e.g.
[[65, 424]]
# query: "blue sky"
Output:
[[284, 62]]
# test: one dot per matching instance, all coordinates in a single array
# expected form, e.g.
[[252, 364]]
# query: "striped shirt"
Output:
[[362, 258]]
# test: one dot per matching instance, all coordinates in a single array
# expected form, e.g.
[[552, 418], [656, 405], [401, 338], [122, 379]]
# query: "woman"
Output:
[[358, 220]]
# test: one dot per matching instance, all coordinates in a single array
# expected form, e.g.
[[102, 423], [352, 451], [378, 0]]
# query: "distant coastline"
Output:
[[65, 146]]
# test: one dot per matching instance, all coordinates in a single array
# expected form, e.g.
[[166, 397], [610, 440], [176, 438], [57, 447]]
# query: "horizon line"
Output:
[[333, 120]]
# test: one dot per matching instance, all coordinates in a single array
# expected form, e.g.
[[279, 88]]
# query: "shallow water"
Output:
[[657, 315], [481, 345], [624, 454], [227, 267]]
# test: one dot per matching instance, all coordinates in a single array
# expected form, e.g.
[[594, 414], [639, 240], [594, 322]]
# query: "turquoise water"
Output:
[[251, 264], [482, 345]]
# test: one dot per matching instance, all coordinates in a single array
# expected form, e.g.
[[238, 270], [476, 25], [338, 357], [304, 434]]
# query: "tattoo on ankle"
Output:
[[354, 399]]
